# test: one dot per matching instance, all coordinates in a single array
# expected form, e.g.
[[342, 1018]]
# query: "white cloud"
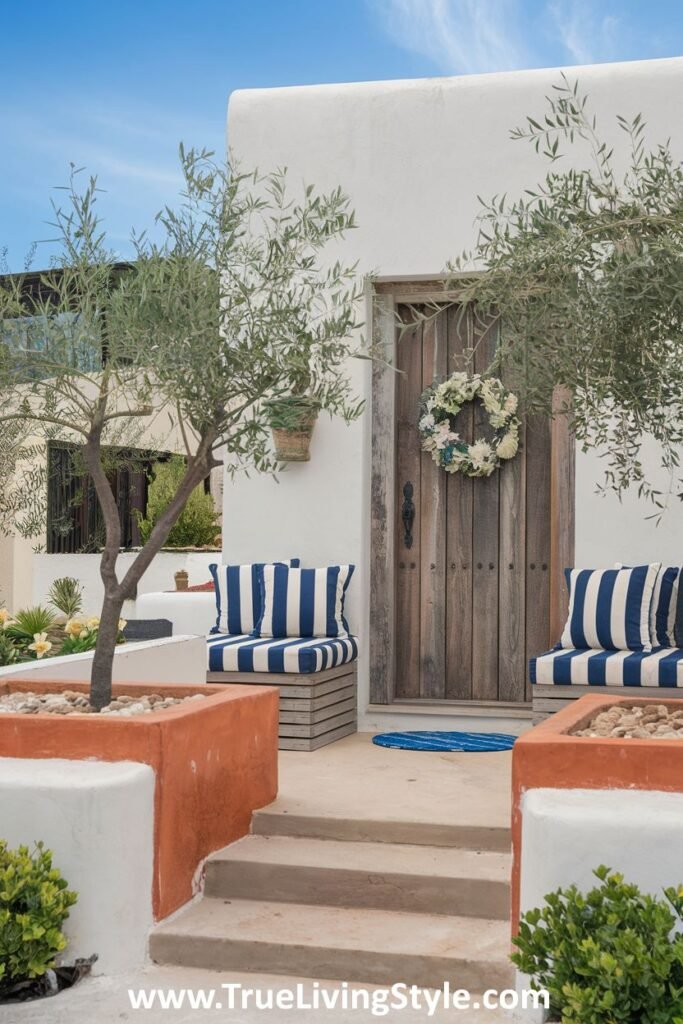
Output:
[[585, 37], [470, 36], [463, 36]]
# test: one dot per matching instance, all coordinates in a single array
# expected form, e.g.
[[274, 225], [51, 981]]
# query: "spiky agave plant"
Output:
[[66, 596]]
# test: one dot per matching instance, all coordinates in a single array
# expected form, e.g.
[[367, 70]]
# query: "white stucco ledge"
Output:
[[566, 834], [192, 612], [171, 659], [98, 820]]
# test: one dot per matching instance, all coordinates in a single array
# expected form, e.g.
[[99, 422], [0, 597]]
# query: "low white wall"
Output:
[[568, 833], [190, 613], [173, 659], [98, 820], [86, 569]]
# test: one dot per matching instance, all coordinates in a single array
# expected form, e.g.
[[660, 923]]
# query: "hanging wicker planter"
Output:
[[292, 419]]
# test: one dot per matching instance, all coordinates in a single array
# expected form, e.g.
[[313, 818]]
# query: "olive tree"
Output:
[[201, 328], [585, 274]]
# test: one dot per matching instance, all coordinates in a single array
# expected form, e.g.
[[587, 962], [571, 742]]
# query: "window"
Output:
[[74, 520]]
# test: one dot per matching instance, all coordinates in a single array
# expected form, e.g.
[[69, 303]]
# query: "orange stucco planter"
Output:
[[215, 762], [549, 757]]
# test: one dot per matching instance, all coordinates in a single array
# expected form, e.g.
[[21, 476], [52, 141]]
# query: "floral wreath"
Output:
[[441, 403]]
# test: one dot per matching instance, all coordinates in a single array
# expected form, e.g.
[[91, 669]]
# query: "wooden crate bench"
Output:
[[316, 708], [559, 677]]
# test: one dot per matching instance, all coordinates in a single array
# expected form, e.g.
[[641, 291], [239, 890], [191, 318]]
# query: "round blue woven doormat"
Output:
[[465, 741]]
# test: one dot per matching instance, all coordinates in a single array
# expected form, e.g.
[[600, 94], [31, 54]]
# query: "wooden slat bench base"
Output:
[[549, 699], [316, 708]]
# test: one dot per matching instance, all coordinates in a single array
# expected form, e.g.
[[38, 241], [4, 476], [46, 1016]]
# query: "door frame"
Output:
[[387, 295]]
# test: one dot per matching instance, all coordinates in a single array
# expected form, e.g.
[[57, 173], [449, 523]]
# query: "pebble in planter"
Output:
[[653, 721]]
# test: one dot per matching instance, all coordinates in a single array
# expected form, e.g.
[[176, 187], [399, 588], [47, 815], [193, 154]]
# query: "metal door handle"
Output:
[[408, 514]]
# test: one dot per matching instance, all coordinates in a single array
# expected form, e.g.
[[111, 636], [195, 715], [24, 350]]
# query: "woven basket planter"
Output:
[[292, 423]]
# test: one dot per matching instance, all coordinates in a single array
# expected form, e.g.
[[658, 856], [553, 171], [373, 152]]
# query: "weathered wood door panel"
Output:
[[472, 580]]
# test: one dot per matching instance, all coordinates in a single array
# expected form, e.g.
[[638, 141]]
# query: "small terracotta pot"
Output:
[[182, 580]]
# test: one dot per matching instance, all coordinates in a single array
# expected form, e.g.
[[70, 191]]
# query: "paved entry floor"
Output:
[[354, 779]]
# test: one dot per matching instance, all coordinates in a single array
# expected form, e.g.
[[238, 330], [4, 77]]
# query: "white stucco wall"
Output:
[[98, 820], [86, 569], [173, 659], [413, 155]]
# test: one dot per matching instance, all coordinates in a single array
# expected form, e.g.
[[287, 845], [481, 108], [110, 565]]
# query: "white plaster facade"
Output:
[[413, 155]]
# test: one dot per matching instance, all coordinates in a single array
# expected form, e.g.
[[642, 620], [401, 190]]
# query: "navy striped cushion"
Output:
[[254, 654], [239, 596], [304, 602], [661, 667], [610, 608], [663, 607]]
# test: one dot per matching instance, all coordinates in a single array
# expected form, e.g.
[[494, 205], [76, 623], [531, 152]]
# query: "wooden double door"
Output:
[[471, 557]]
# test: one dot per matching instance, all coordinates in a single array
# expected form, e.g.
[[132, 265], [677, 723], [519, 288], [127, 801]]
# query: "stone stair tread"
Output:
[[379, 932], [280, 820], [370, 857]]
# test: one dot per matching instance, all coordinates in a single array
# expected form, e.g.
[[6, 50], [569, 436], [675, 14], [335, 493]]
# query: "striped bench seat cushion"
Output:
[[294, 654], [662, 666]]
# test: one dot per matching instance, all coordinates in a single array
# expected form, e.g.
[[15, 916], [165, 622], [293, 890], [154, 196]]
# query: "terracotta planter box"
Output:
[[215, 762], [550, 757]]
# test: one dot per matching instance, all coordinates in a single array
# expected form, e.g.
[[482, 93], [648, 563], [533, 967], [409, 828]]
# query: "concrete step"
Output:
[[279, 820], [418, 879], [357, 945]]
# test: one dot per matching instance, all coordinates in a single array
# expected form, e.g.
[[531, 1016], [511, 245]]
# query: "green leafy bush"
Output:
[[34, 903], [606, 957], [197, 524]]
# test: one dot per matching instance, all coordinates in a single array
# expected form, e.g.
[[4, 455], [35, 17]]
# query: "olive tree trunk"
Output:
[[115, 591]]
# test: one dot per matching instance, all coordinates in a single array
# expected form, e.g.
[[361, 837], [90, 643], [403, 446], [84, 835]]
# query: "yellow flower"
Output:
[[122, 625], [41, 645], [83, 633], [93, 622], [74, 627], [4, 617]]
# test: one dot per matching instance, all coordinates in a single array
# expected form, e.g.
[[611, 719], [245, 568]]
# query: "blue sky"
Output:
[[116, 86]]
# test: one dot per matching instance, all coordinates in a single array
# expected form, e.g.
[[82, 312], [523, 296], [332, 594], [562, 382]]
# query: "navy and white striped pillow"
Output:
[[304, 602], [239, 596], [663, 608], [609, 609]]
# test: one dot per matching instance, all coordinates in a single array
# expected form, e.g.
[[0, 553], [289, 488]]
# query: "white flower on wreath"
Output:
[[491, 398], [508, 445], [443, 435], [510, 404], [480, 454], [427, 422]]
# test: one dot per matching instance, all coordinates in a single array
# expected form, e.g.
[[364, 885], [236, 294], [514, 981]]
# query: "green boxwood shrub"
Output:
[[609, 956], [197, 524], [34, 903]]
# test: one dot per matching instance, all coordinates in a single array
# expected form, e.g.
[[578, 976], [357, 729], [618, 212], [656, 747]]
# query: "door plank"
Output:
[[538, 452], [459, 535], [408, 470], [432, 531], [485, 547], [512, 579]]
